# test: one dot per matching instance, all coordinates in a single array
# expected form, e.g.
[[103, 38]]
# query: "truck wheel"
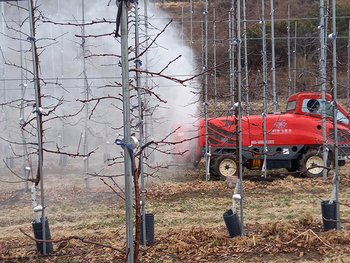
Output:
[[309, 159], [213, 172], [214, 176], [294, 166], [226, 165]]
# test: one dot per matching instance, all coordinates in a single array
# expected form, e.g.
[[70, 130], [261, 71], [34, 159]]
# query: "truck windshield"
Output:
[[315, 106]]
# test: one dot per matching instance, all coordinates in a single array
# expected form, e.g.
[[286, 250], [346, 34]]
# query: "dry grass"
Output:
[[281, 220]]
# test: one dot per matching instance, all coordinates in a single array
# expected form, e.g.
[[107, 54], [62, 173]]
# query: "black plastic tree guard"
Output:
[[38, 234], [149, 229], [232, 223], [328, 215]]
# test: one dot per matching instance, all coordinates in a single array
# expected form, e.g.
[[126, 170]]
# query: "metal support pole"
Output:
[[4, 96], [86, 104], [348, 73], [295, 56], [191, 25], [323, 86], [264, 85], [230, 52], [214, 45], [246, 57], [207, 160], [38, 115], [23, 90], [3, 69], [273, 57], [127, 132], [336, 177], [138, 84], [239, 99], [288, 43], [327, 13], [148, 124]]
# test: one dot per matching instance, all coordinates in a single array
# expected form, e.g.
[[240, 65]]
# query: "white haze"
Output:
[[61, 61]]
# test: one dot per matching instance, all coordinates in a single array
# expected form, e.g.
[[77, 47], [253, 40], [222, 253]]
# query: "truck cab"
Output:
[[310, 103]]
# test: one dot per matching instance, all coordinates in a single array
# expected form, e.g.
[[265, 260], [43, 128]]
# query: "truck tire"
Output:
[[312, 158], [214, 176], [225, 165], [294, 166], [213, 172]]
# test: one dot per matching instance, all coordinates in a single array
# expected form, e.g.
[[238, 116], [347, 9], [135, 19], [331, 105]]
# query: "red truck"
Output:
[[294, 138]]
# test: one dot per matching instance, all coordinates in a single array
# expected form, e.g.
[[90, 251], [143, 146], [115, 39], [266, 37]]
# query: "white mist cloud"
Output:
[[180, 106], [62, 61]]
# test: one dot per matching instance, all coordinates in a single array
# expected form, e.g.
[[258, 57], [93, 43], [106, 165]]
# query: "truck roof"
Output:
[[310, 103]]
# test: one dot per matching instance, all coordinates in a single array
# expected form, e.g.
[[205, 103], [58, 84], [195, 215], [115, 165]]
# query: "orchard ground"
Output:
[[282, 219]]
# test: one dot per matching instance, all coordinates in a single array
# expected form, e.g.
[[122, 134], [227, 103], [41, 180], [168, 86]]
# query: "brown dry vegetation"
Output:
[[282, 221], [307, 46]]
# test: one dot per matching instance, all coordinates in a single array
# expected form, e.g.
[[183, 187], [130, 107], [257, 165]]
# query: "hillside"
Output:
[[298, 8], [303, 76]]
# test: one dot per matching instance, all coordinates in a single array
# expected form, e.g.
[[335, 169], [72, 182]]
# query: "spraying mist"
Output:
[[70, 75]]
